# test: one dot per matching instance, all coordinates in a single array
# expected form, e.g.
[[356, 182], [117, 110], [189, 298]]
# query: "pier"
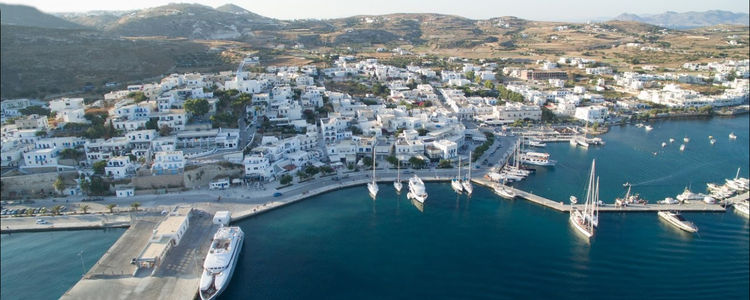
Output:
[[694, 206]]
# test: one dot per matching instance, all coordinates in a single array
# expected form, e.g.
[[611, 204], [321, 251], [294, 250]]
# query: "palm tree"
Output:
[[135, 205], [111, 207], [56, 209], [85, 208]]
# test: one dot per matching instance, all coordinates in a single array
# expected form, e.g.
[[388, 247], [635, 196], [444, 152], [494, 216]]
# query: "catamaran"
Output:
[[372, 187], [676, 219], [467, 181], [397, 184], [220, 261], [416, 189], [456, 181], [584, 221]]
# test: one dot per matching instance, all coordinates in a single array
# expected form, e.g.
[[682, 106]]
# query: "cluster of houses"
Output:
[[423, 116]]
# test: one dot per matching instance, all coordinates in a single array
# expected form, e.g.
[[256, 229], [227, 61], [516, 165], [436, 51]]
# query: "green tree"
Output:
[[326, 169], [198, 107], [286, 179], [422, 131], [445, 164], [469, 75], [417, 163], [311, 170], [488, 84], [99, 166], [137, 96], [85, 208], [165, 130], [152, 123], [34, 110], [392, 159], [547, 115], [40, 133], [59, 184], [135, 205], [56, 209], [69, 153], [85, 186], [367, 161], [111, 208]]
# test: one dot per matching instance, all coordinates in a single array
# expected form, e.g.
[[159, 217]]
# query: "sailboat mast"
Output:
[[738, 174], [373, 162], [398, 170], [596, 202], [459, 167], [469, 165]]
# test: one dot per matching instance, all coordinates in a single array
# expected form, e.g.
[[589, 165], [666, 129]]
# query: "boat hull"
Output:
[[676, 223], [456, 185], [232, 265], [576, 218]]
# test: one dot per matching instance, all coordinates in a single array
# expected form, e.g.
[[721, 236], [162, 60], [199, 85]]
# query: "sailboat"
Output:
[[397, 184], [585, 220], [467, 181], [456, 182], [373, 186]]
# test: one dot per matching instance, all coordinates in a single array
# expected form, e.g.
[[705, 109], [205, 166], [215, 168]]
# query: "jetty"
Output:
[[694, 206]]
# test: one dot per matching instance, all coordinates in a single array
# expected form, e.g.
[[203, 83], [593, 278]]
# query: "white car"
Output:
[[41, 221]]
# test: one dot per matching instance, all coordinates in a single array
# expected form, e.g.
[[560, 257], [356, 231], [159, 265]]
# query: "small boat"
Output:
[[663, 144], [710, 137], [686, 140], [655, 153], [668, 200], [732, 136], [676, 219], [671, 140], [648, 127], [639, 125], [712, 141], [504, 191], [742, 208], [573, 199], [627, 184], [682, 147], [536, 143], [709, 200], [397, 184]]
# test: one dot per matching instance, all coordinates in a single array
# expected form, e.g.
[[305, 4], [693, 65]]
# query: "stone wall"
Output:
[[201, 176], [14, 187]]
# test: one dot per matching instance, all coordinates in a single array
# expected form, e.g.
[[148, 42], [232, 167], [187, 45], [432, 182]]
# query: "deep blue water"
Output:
[[44, 265], [343, 245]]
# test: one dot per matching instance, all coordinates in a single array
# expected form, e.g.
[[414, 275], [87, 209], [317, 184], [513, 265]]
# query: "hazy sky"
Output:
[[563, 10]]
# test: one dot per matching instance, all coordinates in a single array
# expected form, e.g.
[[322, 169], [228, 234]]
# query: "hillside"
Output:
[[691, 19], [28, 16]]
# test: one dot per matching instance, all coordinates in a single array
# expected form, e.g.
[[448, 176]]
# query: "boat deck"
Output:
[[694, 206]]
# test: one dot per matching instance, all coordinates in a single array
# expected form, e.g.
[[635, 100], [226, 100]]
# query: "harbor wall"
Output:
[[15, 187]]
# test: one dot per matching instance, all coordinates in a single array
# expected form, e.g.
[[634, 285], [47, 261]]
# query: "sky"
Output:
[[542, 10]]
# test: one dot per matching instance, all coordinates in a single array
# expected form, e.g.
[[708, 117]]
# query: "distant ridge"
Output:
[[21, 15], [690, 19]]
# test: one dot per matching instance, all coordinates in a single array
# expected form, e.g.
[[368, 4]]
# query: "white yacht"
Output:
[[220, 261], [372, 187], [668, 200], [682, 147], [536, 143], [732, 136], [743, 208], [712, 141], [537, 158], [397, 184], [738, 183], [416, 189], [675, 219], [504, 191], [467, 181], [687, 195], [663, 144], [456, 181], [584, 220]]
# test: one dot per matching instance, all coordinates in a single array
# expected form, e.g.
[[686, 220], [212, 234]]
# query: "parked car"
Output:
[[41, 221], [277, 194]]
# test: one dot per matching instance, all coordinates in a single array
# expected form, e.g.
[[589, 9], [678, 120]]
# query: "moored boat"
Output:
[[585, 220], [417, 189], [504, 191], [676, 219], [467, 181], [219, 264], [742, 208]]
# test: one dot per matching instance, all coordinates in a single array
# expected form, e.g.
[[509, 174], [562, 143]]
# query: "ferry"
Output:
[[416, 189], [537, 158], [504, 191], [675, 219], [742, 208], [220, 261]]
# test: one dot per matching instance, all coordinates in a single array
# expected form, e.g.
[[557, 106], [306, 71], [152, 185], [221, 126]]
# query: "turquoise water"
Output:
[[44, 265], [343, 245]]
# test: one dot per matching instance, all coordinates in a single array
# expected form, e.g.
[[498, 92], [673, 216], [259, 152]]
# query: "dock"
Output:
[[694, 206]]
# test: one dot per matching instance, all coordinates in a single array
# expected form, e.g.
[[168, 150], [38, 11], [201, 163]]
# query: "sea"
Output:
[[345, 245]]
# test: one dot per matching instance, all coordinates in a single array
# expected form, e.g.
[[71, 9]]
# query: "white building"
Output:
[[448, 149], [65, 103], [258, 167], [124, 191], [36, 122], [219, 184], [168, 162], [41, 158], [591, 114], [119, 167]]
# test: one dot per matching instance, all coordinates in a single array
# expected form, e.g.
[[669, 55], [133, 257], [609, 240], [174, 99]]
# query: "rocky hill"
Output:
[[691, 19], [21, 15]]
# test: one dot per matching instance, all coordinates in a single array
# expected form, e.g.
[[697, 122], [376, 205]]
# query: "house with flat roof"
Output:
[[167, 234]]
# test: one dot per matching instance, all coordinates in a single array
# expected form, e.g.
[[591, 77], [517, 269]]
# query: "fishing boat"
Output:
[[583, 220], [467, 181], [220, 261], [732, 136], [397, 184], [742, 208], [676, 219], [456, 181], [372, 187], [416, 189], [682, 147]]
